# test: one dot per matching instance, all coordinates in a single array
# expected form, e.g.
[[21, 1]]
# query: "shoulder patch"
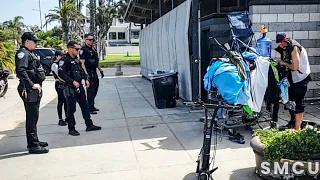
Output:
[[61, 63], [20, 55]]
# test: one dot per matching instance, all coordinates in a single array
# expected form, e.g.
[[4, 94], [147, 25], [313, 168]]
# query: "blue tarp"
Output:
[[224, 76]]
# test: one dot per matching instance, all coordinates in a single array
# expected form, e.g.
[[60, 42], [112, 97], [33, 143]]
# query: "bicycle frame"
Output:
[[204, 156]]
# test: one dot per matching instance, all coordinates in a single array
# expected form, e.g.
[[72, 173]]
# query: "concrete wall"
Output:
[[123, 50], [300, 22], [164, 45]]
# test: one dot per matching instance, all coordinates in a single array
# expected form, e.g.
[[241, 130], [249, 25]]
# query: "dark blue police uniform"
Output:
[[70, 70], [91, 58], [30, 71]]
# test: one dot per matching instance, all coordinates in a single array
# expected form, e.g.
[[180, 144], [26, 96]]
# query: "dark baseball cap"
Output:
[[58, 53], [280, 37], [29, 36]]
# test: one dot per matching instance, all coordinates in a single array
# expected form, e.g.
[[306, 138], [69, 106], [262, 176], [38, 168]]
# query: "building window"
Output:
[[121, 35], [121, 21], [135, 35], [112, 35]]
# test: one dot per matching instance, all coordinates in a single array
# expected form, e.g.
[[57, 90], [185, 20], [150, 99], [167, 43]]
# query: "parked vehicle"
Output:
[[46, 55], [4, 74]]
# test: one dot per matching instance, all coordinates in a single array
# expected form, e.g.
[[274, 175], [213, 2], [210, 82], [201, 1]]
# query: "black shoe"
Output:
[[93, 128], [43, 144], [95, 109], [62, 123], [74, 132], [38, 150], [93, 112]]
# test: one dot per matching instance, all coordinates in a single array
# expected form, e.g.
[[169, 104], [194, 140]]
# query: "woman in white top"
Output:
[[59, 88]]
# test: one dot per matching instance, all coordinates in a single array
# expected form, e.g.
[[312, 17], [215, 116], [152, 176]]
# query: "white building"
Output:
[[120, 32]]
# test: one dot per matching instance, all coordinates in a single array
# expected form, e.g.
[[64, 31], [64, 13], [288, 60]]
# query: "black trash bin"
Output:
[[165, 89]]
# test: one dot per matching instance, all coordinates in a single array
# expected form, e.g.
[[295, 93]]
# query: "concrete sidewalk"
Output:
[[137, 141]]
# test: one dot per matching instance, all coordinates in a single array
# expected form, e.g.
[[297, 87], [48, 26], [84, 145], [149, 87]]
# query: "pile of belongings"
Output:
[[243, 79]]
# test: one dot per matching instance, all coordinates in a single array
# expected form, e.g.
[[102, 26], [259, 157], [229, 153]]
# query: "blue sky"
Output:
[[12, 8]]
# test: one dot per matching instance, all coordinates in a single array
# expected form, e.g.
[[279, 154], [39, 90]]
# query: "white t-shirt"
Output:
[[304, 68], [54, 67]]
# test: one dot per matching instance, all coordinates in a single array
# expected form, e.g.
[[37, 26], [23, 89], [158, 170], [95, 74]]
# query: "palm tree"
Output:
[[92, 8], [16, 26], [66, 14]]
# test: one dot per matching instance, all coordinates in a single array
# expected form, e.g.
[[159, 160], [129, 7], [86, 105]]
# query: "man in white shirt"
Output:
[[294, 57]]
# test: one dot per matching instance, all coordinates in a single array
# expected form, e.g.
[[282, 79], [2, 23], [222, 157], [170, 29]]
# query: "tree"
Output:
[[16, 26], [48, 40], [65, 14], [92, 9], [105, 15], [7, 52], [34, 28], [57, 31]]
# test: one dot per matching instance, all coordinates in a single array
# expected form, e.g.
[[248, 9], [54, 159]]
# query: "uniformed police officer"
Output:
[[59, 85], [90, 58], [31, 75], [71, 71]]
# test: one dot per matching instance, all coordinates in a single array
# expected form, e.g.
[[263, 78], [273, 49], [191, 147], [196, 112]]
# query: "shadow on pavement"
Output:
[[244, 174], [135, 134]]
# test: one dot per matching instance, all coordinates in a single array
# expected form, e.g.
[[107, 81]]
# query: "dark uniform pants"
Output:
[[61, 100], [93, 89], [71, 104], [32, 116]]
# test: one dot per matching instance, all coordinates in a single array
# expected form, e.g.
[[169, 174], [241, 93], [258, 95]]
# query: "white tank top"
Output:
[[304, 67]]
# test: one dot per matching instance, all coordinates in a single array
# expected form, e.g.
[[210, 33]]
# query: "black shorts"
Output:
[[297, 92]]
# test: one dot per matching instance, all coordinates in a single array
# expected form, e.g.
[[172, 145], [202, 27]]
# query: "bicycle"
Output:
[[203, 163]]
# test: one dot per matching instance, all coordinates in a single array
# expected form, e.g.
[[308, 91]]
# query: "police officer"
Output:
[[59, 85], [71, 71], [89, 56], [31, 75]]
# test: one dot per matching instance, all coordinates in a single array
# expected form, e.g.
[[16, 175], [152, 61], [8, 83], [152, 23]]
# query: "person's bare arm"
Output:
[[99, 68], [295, 55], [83, 66]]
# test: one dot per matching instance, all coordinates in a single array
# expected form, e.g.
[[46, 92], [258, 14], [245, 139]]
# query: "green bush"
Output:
[[105, 64], [288, 144]]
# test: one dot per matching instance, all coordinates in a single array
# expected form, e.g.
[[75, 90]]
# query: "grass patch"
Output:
[[112, 59]]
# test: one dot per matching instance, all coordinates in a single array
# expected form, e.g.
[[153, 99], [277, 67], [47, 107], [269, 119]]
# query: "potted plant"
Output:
[[272, 145]]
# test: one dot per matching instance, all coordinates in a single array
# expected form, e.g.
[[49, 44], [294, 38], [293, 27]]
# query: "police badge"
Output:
[[20, 55]]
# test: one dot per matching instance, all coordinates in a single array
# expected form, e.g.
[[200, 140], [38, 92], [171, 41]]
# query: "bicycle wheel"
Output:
[[205, 176]]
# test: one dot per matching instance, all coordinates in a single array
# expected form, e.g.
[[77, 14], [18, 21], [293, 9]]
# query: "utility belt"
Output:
[[31, 95], [70, 91]]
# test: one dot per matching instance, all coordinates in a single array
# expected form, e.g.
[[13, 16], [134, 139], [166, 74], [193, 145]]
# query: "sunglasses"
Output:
[[78, 49], [91, 39]]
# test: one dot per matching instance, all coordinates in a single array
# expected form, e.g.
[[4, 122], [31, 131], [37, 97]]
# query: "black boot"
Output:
[[38, 150], [74, 132], [93, 128], [62, 123], [43, 144]]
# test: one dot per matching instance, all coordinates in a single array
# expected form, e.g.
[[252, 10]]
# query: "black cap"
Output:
[[58, 53], [280, 37], [29, 36]]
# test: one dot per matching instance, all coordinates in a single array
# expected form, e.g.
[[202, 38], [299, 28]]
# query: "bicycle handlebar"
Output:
[[215, 106]]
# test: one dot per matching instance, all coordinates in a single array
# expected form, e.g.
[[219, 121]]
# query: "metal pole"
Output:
[[200, 60], [40, 15], [195, 50]]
